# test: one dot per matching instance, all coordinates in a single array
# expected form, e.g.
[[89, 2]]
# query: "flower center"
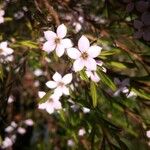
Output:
[[61, 84], [57, 40], [84, 55]]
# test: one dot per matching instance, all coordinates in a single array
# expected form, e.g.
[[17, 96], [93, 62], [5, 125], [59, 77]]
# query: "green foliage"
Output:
[[116, 116]]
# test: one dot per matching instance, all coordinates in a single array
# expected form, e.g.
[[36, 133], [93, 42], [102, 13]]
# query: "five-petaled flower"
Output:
[[60, 84], [6, 51], [84, 57], [51, 104], [56, 41]]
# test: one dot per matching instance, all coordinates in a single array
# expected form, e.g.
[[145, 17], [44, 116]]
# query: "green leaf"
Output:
[[117, 65], [45, 97], [106, 80], [141, 93], [113, 51], [83, 75], [93, 93], [29, 44]]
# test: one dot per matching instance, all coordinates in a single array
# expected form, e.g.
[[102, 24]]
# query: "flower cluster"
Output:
[[84, 58], [84, 55], [12, 130]]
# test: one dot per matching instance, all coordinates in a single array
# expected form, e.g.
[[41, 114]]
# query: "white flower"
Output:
[[50, 105], [70, 143], [148, 133], [77, 26], [57, 41], [10, 99], [13, 124], [38, 72], [2, 12], [93, 75], [60, 83], [7, 143], [29, 122], [86, 110], [21, 130], [81, 132], [6, 51], [84, 57], [9, 129]]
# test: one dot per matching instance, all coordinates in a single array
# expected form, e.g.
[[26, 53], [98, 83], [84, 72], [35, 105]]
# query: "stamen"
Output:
[[57, 40], [84, 55]]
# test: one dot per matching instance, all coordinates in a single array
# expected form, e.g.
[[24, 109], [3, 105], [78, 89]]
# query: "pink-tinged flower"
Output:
[[7, 143], [81, 132], [56, 41], [60, 84], [148, 133], [29, 122], [84, 57], [70, 143], [2, 12], [93, 75], [10, 99], [9, 129], [51, 104], [21, 130], [6, 51]]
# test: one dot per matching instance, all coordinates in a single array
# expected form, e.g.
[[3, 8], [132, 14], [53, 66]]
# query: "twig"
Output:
[[52, 12]]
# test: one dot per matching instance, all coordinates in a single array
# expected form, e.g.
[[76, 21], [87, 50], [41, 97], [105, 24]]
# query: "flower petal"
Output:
[[8, 51], [88, 73], [61, 31], [67, 78], [57, 104], [66, 90], [57, 77], [51, 84], [83, 43], [95, 77], [50, 108], [48, 46], [94, 51], [66, 43], [42, 106], [3, 45], [73, 53], [41, 94], [58, 91], [54, 97], [50, 35], [60, 50], [2, 12], [90, 63], [78, 65]]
